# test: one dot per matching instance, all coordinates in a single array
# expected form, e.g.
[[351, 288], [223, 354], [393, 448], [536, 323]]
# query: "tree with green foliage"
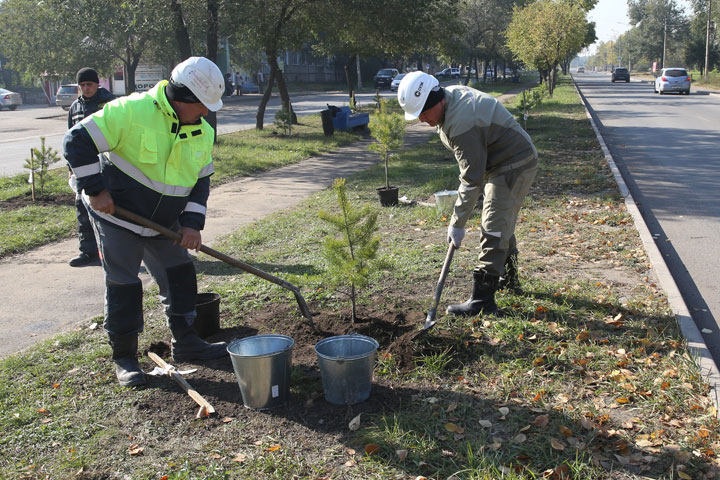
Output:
[[388, 130], [542, 34], [352, 253], [38, 163], [283, 120]]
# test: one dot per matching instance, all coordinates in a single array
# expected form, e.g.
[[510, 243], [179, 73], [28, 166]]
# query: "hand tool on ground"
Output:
[[430, 320], [205, 408], [140, 220]]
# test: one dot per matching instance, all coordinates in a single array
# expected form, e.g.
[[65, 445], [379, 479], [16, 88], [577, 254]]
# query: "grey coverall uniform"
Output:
[[498, 159]]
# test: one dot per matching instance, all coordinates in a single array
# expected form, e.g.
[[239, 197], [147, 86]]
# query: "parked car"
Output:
[[66, 95], [9, 99], [581, 70], [448, 73], [396, 82], [249, 87], [620, 73], [384, 77], [673, 80]]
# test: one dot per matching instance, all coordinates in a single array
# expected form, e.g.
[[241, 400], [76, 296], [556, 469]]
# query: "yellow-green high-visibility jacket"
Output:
[[151, 164]]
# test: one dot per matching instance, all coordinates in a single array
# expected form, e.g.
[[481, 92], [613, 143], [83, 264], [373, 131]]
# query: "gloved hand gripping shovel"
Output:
[[221, 256], [430, 320]]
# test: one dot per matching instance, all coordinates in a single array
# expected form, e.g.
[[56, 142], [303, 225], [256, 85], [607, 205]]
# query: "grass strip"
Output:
[[585, 376]]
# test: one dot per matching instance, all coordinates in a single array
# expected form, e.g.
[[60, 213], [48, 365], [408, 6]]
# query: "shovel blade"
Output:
[[430, 320]]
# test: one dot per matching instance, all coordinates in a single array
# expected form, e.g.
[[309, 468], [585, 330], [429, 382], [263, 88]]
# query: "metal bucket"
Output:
[[445, 200], [262, 365], [346, 367]]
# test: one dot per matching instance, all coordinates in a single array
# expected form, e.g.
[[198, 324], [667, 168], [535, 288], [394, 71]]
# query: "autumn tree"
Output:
[[544, 33]]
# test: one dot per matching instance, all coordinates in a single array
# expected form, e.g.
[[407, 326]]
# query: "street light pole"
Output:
[[707, 40], [664, 42]]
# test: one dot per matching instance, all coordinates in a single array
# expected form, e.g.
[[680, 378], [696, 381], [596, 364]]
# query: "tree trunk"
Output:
[[260, 115], [282, 87], [348, 66], [211, 38], [131, 62], [182, 37]]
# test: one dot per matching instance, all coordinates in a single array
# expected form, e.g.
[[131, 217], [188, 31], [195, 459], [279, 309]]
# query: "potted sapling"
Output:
[[388, 130]]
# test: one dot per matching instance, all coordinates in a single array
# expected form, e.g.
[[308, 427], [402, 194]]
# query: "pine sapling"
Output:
[[388, 130], [351, 253], [38, 163], [283, 120]]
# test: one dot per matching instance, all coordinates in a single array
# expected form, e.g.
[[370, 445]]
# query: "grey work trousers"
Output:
[[169, 264], [503, 197]]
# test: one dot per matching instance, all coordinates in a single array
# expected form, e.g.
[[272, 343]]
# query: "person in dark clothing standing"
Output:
[[93, 98]]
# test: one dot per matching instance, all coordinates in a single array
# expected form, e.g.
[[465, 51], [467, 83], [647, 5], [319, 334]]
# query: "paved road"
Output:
[[20, 130], [668, 150]]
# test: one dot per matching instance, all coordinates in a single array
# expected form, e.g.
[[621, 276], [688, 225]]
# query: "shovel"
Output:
[[221, 256], [430, 320]]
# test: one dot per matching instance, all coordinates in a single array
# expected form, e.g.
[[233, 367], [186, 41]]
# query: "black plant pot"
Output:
[[388, 196]]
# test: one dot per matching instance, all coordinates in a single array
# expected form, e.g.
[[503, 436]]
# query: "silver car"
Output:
[[9, 99], [673, 80], [396, 82], [66, 95]]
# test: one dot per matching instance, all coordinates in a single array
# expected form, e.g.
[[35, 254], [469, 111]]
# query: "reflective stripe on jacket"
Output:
[[152, 165], [486, 141]]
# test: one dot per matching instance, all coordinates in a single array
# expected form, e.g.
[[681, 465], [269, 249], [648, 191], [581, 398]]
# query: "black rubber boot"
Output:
[[511, 279], [188, 346], [127, 368], [483, 296]]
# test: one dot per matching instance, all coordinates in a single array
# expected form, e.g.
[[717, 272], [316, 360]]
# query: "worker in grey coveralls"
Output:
[[497, 159]]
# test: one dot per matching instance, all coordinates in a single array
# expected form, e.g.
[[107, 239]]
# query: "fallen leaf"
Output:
[[226, 419], [274, 448], [541, 421], [486, 423], [56, 385], [557, 444], [350, 463], [622, 400], [350, 451], [215, 456], [520, 438], [504, 411], [565, 431], [354, 423], [401, 454], [135, 449], [451, 427], [684, 475], [371, 449], [451, 407], [43, 411]]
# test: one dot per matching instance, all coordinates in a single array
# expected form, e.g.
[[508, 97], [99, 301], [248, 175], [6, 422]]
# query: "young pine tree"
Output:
[[283, 120], [39, 162], [388, 130], [351, 253]]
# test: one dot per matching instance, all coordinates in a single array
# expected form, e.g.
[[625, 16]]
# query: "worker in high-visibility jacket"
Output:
[[156, 162]]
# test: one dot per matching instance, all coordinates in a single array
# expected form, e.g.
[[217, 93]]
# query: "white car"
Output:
[[673, 80], [396, 82], [9, 99]]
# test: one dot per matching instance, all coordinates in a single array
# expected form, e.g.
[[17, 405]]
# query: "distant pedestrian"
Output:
[[261, 81], [238, 84], [92, 99], [228, 85], [496, 157]]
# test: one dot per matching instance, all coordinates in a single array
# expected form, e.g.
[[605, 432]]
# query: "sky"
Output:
[[611, 19]]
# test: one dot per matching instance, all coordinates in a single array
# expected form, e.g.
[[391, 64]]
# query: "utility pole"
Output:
[[707, 40], [664, 42]]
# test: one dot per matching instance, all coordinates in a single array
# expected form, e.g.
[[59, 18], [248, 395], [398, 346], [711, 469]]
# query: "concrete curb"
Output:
[[696, 343]]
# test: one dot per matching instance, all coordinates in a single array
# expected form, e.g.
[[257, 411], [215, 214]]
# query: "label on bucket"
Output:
[[275, 391]]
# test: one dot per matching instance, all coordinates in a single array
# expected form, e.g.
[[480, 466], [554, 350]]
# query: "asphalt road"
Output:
[[20, 130], [667, 148]]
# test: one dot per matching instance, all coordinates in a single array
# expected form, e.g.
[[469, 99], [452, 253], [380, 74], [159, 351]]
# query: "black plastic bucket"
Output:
[[207, 306]]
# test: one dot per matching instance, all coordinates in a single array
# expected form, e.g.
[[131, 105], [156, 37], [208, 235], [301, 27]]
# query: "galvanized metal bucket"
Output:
[[346, 367], [262, 365]]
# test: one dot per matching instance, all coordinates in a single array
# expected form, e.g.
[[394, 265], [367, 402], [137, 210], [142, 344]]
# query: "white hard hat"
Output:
[[203, 78], [413, 91]]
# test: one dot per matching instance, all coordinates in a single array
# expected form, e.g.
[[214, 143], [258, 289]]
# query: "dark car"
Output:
[[384, 77], [620, 73]]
